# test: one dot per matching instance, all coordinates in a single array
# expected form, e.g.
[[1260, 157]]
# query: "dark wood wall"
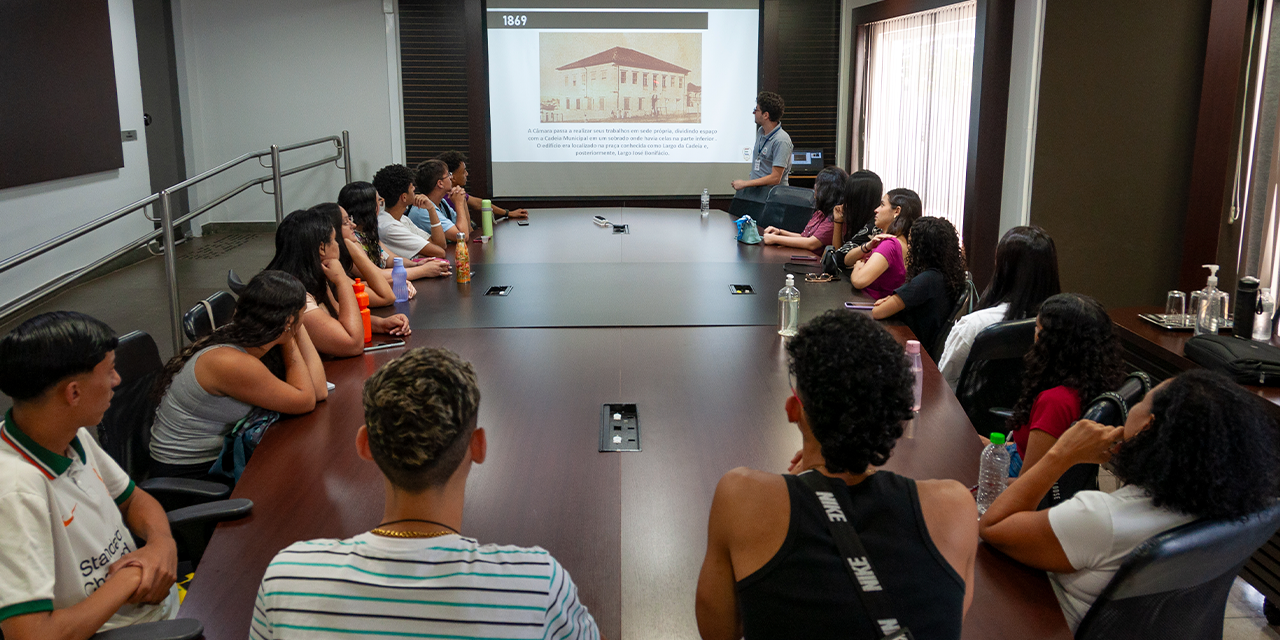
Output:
[[1119, 97]]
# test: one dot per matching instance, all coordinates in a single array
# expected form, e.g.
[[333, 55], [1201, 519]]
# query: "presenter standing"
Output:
[[771, 156]]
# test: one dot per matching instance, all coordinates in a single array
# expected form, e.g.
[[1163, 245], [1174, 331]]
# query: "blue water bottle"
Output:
[[399, 281]]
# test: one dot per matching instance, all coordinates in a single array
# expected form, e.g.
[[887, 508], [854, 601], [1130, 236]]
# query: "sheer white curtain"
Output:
[[916, 111]]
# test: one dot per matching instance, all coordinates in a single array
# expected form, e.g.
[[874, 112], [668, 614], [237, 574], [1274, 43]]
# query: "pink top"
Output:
[[894, 276], [821, 226]]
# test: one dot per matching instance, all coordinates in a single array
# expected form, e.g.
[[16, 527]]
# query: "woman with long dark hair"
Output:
[[362, 203], [355, 262], [262, 358], [828, 191], [854, 217], [935, 279], [882, 267], [307, 248], [1076, 358], [1026, 274], [1197, 446]]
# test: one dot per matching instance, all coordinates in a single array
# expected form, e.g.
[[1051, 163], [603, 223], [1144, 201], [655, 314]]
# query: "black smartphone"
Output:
[[523, 223], [805, 258], [381, 342], [859, 306]]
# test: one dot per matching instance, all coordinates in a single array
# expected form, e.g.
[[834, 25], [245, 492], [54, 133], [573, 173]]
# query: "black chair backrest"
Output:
[[992, 375], [233, 282], [208, 315], [1111, 408], [1175, 585], [125, 431], [787, 208], [964, 306]]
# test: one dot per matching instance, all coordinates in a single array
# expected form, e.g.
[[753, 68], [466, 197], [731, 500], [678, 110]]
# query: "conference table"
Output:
[[598, 316]]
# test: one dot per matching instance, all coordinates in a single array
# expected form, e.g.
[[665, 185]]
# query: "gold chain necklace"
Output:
[[388, 533]]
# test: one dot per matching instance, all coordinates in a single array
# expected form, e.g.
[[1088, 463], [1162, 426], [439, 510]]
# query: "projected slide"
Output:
[[633, 98]]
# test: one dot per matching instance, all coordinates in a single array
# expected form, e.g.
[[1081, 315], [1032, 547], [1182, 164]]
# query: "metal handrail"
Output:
[[163, 200]]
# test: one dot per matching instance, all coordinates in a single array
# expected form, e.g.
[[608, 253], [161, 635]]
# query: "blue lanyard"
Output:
[[766, 140]]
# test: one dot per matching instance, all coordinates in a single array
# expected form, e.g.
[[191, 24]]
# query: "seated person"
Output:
[[773, 569], [307, 249], [935, 280], [855, 217], [828, 190], [69, 563], [882, 267], [262, 358], [1076, 358], [420, 414], [355, 262], [435, 193], [1197, 446], [397, 232], [457, 165], [1026, 274], [362, 203]]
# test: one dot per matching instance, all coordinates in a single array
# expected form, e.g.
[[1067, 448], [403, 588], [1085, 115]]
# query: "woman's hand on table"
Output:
[[396, 325]]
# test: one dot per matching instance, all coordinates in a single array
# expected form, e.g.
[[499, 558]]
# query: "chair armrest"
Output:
[[181, 492], [181, 629], [1001, 412], [210, 512], [192, 527]]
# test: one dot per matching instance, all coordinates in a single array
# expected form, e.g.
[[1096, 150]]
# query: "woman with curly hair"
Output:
[[828, 189], [362, 203], [262, 358], [935, 279], [882, 266], [772, 568], [1026, 275], [1197, 446], [1076, 357]]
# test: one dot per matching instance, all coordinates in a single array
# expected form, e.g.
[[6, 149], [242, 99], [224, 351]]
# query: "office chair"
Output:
[[209, 314], [194, 507], [964, 306], [1175, 584], [1112, 409], [787, 208], [992, 375]]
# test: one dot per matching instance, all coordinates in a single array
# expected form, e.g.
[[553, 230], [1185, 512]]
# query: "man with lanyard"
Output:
[[69, 563], [771, 155]]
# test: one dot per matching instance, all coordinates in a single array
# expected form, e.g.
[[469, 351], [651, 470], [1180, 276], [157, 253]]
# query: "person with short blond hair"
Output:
[[415, 573]]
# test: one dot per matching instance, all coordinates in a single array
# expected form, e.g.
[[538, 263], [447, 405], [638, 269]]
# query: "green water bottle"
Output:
[[486, 217]]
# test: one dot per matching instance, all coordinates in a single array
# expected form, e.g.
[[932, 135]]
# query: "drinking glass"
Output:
[[1175, 308]]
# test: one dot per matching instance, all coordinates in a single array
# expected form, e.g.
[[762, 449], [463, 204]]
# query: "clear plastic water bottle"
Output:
[[917, 370], [788, 308], [1262, 318], [399, 280], [993, 475], [706, 202]]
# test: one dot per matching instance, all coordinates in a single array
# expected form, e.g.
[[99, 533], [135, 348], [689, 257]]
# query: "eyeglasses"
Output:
[[818, 277]]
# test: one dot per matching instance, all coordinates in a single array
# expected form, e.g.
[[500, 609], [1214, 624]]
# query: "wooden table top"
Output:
[[629, 527], [1162, 349]]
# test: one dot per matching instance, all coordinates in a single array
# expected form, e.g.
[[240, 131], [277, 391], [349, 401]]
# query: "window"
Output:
[[664, 82], [593, 75], [646, 80], [626, 103], [575, 82], [634, 74], [577, 103], [623, 77], [915, 132], [681, 83]]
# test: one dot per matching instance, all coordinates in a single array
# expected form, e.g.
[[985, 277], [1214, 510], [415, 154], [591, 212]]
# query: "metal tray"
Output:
[[1175, 324]]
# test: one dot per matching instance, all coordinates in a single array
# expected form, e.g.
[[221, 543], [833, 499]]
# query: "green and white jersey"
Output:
[[61, 527]]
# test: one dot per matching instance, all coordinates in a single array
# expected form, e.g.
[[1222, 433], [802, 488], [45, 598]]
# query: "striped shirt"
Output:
[[446, 587]]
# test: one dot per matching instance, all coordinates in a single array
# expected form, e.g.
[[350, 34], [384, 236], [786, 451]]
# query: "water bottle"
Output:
[[917, 370], [788, 308], [993, 475], [1262, 318], [399, 280], [706, 202], [462, 260]]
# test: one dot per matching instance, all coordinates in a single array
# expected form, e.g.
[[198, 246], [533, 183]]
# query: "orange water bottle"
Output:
[[362, 300], [463, 259]]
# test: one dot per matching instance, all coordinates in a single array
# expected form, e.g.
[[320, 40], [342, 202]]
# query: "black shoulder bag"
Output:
[[856, 562]]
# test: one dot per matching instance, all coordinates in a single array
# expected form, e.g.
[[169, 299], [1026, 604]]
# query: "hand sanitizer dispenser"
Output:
[[1209, 305]]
